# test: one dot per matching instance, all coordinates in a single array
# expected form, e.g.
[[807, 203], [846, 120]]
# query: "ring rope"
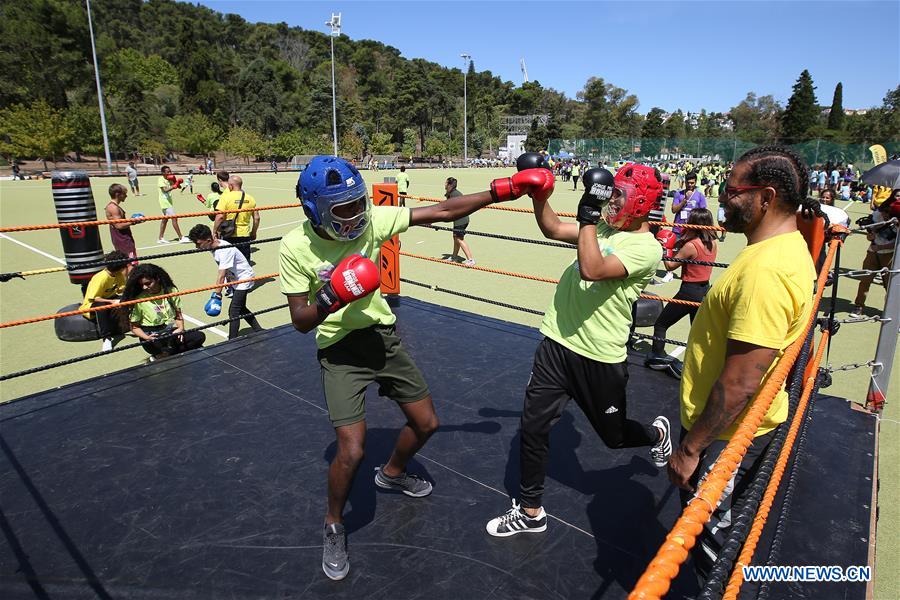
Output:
[[77, 359], [104, 263], [759, 521], [141, 219], [533, 277], [71, 313], [645, 336], [511, 238], [657, 578], [437, 288]]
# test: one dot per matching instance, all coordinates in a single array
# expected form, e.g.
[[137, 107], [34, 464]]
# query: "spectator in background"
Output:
[[234, 267], [687, 200], [132, 175], [104, 289], [402, 185], [247, 222], [696, 244], [209, 165], [823, 178], [122, 238], [459, 227], [165, 187], [880, 254], [16, 173], [152, 319]]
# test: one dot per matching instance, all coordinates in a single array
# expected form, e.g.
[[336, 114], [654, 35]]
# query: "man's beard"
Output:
[[737, 218]]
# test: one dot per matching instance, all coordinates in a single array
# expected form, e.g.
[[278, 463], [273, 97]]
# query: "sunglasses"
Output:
[[731, 191]]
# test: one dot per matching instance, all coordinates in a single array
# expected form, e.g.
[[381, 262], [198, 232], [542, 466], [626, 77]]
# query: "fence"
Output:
[[716, 149]]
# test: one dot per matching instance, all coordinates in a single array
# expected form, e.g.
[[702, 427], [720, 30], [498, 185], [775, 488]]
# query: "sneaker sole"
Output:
[[388, 486], [333, 574], [658, 367], [540, 529]]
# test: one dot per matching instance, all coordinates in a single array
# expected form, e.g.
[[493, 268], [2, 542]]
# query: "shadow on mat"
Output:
[[623, 512], [379, 444]]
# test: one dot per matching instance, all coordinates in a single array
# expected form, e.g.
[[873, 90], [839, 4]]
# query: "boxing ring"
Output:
[[203, 476]]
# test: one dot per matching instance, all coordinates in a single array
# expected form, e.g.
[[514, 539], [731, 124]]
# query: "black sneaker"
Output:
[[658, 362], [411, 485], [662, 450], [516, 520], [334, 554]]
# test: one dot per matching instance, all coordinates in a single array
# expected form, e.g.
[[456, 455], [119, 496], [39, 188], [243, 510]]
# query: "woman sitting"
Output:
[[158, 323]]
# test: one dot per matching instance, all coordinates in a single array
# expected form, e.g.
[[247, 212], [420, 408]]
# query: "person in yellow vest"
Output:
[[576, 174], [247, 222]]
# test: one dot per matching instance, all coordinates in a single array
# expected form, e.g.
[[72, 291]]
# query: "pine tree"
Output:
[[836, 117], [801, 113]]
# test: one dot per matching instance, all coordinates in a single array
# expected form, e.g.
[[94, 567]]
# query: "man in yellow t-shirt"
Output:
[[753, 312], [247, 222], [105, 288]]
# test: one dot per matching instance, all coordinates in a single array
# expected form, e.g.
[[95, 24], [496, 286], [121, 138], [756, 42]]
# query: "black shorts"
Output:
[[459, 232]]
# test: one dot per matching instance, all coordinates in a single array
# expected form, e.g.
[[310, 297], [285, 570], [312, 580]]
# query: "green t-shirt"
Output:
[[402, 183], [211, 201], [593, 318], [307, 260], [165, 198], [156, 312]]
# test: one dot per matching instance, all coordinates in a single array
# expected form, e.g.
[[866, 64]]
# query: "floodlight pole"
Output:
[[99, 91], [466, 58], [335, 24]]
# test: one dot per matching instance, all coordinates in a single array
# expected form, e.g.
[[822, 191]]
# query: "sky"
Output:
[[687, 55]]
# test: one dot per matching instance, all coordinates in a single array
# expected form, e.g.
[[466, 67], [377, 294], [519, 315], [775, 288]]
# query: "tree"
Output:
[[609, 110], [381, 144], [352, 144], [537, 139], [194, 134], [652, 136], [410, 137], [756, 120], [36, 130], [152, 149], [436, 144], [801, 113], [87, 135], [244, 143], [836, 116]]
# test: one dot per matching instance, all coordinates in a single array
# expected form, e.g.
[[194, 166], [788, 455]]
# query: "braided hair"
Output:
[[783, 169]]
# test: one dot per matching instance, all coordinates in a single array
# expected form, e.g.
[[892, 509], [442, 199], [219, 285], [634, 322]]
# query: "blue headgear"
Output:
[[327, 183]]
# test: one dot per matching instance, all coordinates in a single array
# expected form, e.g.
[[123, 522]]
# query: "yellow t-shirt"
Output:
[[763, 298], [880, 194], [230, 201], [103, 285]]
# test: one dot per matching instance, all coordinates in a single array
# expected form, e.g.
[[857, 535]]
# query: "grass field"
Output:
[[30, 202]]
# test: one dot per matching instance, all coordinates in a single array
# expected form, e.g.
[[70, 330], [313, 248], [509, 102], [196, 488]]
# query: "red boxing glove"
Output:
[[179, 182], [353, 278], [667, 239], [538, 183]]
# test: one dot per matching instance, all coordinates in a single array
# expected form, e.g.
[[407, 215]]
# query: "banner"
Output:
[[879, 154]]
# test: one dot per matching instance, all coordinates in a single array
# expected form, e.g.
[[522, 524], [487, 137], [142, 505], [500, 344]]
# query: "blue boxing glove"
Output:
[[214, 305], [137, 216]]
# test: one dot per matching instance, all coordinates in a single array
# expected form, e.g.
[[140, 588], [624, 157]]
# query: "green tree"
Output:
[[244, 143], [352, 145], [36, 130], [152, 149], [194, 134], [538, 137], [609, 110], [652, 136], [410, 138], [381, 144], [836, 116], [802, 112], [756, 119], [149, 71], [87, 133], [436, 145]]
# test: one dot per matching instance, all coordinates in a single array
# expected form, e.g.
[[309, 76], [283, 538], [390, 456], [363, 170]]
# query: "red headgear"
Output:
[[640, 187]]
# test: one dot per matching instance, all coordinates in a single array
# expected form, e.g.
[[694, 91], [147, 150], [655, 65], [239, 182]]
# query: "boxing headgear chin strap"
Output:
[[641, 187]]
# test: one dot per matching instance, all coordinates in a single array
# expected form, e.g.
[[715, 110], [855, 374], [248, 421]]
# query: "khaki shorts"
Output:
[[365, 356]]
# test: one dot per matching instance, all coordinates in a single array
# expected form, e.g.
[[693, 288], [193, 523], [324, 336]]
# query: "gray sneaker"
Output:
[[411, 485], [662, 450], [334, 554]]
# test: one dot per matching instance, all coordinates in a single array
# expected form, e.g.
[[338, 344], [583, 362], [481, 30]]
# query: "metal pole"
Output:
[[466, 58], [333, 98], [99, 91], [816, 161], [887, 339]]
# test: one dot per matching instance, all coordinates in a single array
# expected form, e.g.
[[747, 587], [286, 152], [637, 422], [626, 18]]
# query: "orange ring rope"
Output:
[[130, 302], [762, 513], [657, 578], [533, 277], [153, 218]]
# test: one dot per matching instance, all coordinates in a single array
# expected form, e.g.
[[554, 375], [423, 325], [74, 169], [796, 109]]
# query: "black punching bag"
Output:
[[74, 203]]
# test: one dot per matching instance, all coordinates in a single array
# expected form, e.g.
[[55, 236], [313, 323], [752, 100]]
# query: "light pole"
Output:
[[466, 58], [335, 24], [99, 91]]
